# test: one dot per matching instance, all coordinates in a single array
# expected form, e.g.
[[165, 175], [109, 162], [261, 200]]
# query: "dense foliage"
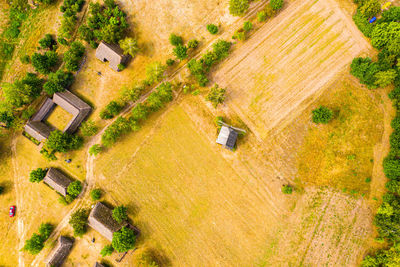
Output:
[[216, 95], [73, 56], [322, 115], [58, 81], [95, 194], [74, 188], [63, 142], [111, 110], [37, 175], [238, 7], [120, 214], [200, 68], [212, 28], [48, 42], [180, 52], [276, 4], [129, 46], [78, 221], [107, 250], [95, 149], [44, 63], [88, 128], [36, 243], [124, 240], [69, 20], [106, 23], [175, 40], [22, 92]]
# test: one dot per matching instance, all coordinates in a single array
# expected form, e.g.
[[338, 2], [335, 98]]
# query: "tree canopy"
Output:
[[124, 240], [120, 213], [322, 115], [37, 175]]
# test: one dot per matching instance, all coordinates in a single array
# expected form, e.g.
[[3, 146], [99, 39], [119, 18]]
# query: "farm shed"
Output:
[[97, 264], [111, 53], [75, 106], [101, 220], [57, 180], [227, 137], [60, 252]]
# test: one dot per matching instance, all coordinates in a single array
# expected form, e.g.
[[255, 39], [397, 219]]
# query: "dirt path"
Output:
[[20, 222]]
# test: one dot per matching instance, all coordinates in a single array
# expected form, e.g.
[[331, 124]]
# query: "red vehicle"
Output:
[[12, 211]]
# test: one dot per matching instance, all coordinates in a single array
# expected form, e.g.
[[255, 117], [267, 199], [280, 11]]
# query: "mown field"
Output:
[[287, 61]]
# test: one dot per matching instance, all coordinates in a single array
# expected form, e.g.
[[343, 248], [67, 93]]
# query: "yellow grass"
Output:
[[340, 154], [59, 118]]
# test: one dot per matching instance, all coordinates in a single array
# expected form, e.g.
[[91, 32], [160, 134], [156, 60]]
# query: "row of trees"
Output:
[[154, 102], [70, 9], [384, 36], [200, 68], [36, 243], [240, 7]]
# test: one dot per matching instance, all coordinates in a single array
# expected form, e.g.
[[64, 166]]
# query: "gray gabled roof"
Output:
[[227, 137], [97, 264], [111, 53], [58, 255], [38, 130], [101, 220], [57, 180]]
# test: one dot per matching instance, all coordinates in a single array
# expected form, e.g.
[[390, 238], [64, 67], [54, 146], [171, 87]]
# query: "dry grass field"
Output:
[[59, 118], [289, 60]]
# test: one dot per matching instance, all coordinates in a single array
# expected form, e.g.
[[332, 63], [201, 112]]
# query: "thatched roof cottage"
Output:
[[58, 255], [101, 220]]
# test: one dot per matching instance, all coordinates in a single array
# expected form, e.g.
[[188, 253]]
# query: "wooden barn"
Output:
[[111, 53], [57, 180], [58, 255]]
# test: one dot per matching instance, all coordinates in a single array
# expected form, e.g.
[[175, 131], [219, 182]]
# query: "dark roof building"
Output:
[[97, 264], [111, 53], [57, 257], [73, 105], [57, 180], [38, 129], [101, 220], [227, 137]]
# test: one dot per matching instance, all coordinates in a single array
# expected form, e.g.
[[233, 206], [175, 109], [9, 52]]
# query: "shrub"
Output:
[[34, 245], [62, 41], [25, 59], [238, 7], [239, 35], [63, 142], [180, 51], [247, 26], [124, 240], [48, 42], [216, 95], [212, 28], [154, 72], [107, 250], [95, 149], [385, 78], [95, 194], [175, 40], [322, 115], [261, 16], [287, 189], [88, 128], [73, 56], [121, 67], [170, 62], [37, 175], [129, 46], [22, 92], [78, 221], [27, 113], [111, 110], [364, 69], [120, 214], [45, 230], [74, 189], [276, 4], [370, 8], [58, 81], [362, 24], [139, 112], [193, 44], [43, 63]]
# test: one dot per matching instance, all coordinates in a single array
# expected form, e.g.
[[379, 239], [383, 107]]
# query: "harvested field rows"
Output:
[[291, 58]]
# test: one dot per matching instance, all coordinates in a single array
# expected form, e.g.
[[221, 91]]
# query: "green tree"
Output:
[[48, 42], [247, 26], [111, 110], [43, 63], [287, 189], [370, 8], [120, 213], [216, 95], [95, 194], [384, 78], [37, 175], [238, 7], [261, 16], [154, 72], [107, 250], [276, 4], [193, 44], [63, 142], [34, 245], [130, 46], [89, 128], [78, 221], [180, 52], [322, 115], [123, 240], [73, 56], [175, 40], [95, 149], [45, 229], [74, 188], [212, 28], [58, 81], [139, 112]]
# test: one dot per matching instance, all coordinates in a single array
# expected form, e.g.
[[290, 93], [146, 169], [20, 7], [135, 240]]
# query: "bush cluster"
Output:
[[62, 142], [58, 81], [70, 8], [74, 55], [37, 175], [105, 22], [36, 243], [78, 221], [200, 68]]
